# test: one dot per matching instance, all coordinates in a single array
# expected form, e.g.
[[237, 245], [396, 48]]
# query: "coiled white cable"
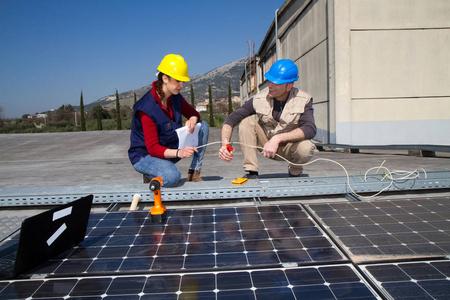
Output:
[[393, 176]]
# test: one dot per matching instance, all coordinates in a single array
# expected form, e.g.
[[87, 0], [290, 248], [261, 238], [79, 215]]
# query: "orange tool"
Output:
[[239, 180], [158, 210]]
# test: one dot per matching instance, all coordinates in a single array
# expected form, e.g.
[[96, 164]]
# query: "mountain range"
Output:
[[218, 78]]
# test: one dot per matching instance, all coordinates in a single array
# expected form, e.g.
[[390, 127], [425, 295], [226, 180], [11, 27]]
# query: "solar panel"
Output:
[[254, 252], [389, 229], [197, 239], [412, 280], [328, 281]]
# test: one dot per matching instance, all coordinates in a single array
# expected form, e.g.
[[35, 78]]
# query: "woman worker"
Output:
[[154, 147]]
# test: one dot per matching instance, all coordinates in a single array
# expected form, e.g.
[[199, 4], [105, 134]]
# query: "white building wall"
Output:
[[395, 56], [378, 70], [305, 42]]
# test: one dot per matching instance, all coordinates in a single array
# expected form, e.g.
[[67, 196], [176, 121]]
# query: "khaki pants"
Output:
[[251, 133]]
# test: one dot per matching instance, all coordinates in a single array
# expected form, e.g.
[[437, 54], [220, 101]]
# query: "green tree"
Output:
[[63, 116], [118, 117], [132, 108], [66, 108], [82, 116], [1, 116], [192, 96], [210, 107], [98, 113], [230, 103]]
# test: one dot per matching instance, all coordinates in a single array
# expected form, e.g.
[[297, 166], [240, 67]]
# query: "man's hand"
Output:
[[186, 152], [226, 152], [190, 124], [271, 148]]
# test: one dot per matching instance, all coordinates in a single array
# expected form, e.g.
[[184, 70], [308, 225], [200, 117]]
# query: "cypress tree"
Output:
[[82, 116], [210, 107], [230, 104], [132, 108], [118, 118], [98, 116], [192, 96]]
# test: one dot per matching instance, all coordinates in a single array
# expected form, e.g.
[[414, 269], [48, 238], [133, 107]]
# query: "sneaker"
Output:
[[251, 175], [295, 171], [194, 176]]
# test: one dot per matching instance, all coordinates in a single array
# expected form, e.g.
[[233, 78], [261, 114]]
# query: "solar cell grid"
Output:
[[412, 280], [337, 281], [3, 285], [398, 228], [197, 239]]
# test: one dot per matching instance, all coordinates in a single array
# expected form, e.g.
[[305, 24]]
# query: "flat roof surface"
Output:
[[74, 159], [391, 246]]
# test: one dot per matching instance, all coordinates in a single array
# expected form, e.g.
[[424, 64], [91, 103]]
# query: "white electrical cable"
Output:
[[392, 176]]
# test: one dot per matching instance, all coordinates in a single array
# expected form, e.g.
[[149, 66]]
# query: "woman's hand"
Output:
[[186, 152], [190, 124]]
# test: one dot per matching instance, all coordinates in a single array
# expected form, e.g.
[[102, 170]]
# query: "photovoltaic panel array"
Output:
[[197, 239], [324, 282], [389, 229], [412, 280], [255, 252]]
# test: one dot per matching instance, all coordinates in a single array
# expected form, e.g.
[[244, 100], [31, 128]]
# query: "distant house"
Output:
[[41, 116], [35, 116], [202, 106]]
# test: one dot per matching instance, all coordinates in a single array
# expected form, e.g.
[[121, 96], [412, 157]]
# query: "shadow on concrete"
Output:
[[278, 175]]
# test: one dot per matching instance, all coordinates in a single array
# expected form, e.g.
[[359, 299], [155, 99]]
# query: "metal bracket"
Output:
[[221, 190]]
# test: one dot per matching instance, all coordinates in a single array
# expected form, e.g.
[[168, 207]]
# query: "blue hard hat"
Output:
[[282, 71]]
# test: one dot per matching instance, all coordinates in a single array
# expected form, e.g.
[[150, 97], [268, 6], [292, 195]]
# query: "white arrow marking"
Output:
[[57, 233], [62, 213]]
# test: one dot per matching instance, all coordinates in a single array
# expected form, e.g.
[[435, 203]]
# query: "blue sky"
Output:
[[52, 49]]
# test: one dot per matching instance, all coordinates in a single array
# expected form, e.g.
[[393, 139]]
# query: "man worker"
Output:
[[279, 119]]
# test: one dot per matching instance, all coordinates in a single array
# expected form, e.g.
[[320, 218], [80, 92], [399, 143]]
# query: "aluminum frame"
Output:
[[221, 190]]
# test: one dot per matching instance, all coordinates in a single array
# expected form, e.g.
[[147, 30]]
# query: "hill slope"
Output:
[[218, 78]]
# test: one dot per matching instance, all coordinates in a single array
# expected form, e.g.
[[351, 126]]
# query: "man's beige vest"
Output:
[[293, 109]]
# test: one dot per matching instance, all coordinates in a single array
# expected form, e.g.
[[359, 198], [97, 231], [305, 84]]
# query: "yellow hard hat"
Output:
[[174, 66]]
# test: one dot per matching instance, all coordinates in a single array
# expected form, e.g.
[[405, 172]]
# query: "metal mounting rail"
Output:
[[220, 189], [338, 185]]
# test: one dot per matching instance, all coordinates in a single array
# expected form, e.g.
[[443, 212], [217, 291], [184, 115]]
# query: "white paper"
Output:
[[186, 139]]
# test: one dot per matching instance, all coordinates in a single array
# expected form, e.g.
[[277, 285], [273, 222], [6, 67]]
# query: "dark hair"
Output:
[[159, 84]]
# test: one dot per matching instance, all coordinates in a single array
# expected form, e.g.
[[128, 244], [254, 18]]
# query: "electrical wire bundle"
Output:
[[390, 176]]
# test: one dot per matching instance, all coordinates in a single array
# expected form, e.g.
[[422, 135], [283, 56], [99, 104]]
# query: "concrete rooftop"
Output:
[[75, 159], [74, 163]]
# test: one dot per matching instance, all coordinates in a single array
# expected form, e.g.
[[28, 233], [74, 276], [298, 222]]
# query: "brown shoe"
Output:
[[146, 179], [194, 176], [295, 171]]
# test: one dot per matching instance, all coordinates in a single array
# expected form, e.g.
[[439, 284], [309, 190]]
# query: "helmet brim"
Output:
[[275, 80], [179, 78]]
